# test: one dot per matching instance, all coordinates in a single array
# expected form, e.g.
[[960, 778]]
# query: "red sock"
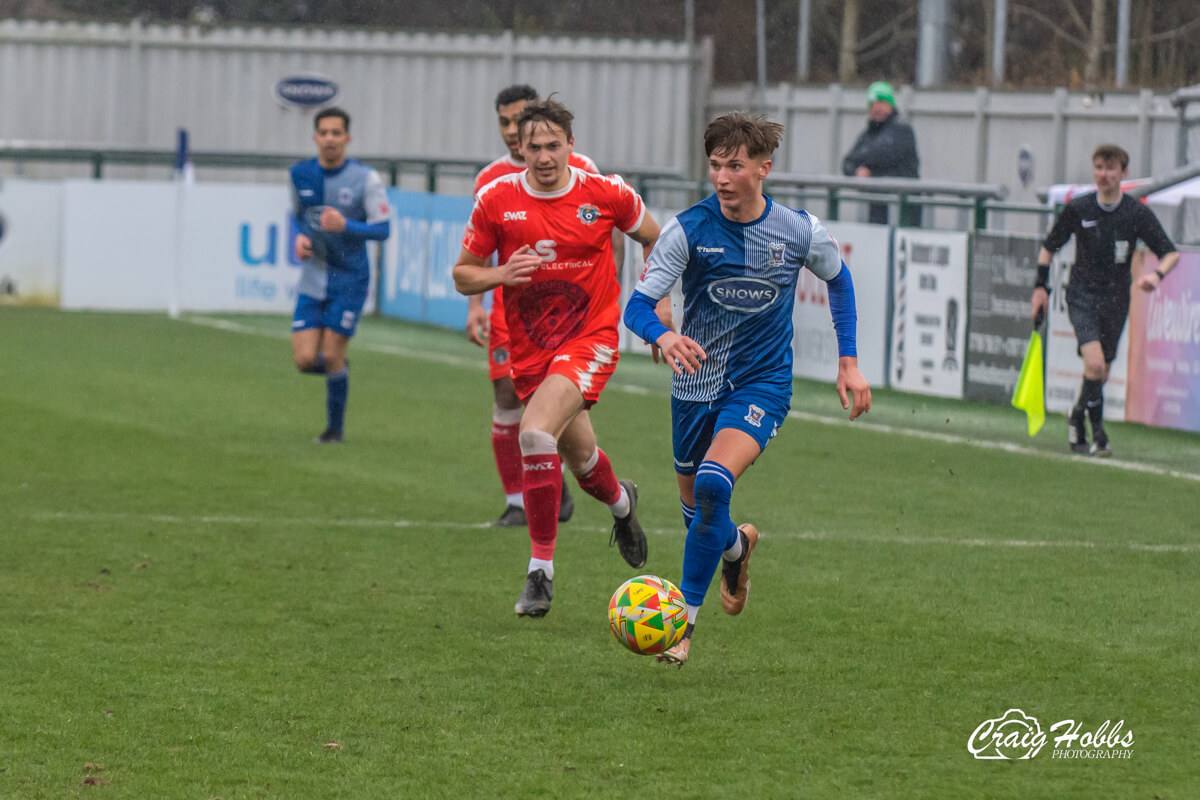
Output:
[[543, 491], [600, 481], [507, 449]]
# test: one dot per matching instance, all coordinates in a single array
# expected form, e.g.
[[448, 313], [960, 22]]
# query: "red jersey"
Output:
[[507, 165], [574, 293]]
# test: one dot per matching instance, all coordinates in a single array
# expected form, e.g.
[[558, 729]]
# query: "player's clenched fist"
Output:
[[332, 220], [520, 266]]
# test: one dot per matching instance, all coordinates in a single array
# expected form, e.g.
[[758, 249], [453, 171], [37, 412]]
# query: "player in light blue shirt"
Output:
[[739, 255], [339, 203]]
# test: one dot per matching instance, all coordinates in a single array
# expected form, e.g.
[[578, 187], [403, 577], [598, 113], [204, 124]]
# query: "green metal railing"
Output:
[[979, 200], [433, 169], [655, 186]]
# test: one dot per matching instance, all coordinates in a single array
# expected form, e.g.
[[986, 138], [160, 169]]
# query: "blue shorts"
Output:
[[338, 314], [752, 409]]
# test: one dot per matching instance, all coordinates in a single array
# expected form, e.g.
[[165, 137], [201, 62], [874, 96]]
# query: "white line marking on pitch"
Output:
[[814, 536], [1006, 447], [945, 438]]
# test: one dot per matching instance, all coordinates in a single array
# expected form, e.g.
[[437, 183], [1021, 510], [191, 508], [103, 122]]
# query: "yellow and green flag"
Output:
[[1029, 394]]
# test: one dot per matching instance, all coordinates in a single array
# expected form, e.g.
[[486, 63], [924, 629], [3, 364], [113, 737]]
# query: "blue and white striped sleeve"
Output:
[[825, 261], [824, 255], [667, 262]]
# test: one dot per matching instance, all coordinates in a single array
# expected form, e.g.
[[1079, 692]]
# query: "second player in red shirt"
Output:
[[551, 228]]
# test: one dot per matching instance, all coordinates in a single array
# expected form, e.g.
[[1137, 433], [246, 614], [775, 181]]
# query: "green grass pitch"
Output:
[[198, 602]]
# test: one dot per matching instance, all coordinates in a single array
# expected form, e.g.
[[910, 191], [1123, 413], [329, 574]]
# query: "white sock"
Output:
[[517, 500], [734, 552], [545, 566], [693, 614], [589, 464], [620, 509], [505, 416]]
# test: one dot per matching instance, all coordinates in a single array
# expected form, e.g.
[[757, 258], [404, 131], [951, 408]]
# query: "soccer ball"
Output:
[[647, 614]]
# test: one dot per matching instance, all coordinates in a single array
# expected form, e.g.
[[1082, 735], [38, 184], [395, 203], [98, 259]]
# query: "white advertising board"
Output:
[[929, 311], [814, 346], [215, 247], [118, 244], [30, 235]]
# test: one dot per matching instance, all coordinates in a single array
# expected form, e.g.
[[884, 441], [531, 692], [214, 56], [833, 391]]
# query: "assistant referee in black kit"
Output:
[[1106, 226]]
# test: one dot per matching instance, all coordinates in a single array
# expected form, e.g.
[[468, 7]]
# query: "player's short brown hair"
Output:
[[548, 110], [1110, 152], [728, 132]]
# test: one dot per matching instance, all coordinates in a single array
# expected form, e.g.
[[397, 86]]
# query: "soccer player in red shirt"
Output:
[[551, 228], [491, 331]]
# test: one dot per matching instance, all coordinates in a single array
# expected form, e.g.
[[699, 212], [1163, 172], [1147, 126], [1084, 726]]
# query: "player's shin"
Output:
[[337, 391], [1091, 395], [710, 533], [598, 479], [506, 425], [542, 489]]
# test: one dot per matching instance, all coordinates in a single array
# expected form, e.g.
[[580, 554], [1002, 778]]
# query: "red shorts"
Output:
[[587, 362], [499, 356]]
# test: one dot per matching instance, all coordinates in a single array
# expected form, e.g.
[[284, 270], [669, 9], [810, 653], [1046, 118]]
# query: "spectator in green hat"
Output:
[[887, 148]]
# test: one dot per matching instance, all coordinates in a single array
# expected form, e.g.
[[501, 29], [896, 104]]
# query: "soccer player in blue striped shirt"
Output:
[[340, 203], [739, 255]]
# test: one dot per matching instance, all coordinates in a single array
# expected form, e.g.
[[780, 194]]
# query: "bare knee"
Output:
[[537, 443], [334, 361], [579, 457]]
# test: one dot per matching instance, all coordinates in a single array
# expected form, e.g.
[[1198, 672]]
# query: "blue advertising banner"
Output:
[[427, 232]]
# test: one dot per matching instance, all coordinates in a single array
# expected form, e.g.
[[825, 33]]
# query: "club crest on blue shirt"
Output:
[[345, 196], [754, 415], [588, 214], [775, 252]]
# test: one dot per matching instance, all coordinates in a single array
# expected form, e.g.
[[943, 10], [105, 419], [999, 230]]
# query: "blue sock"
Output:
[[337, 387], [711, 532], [318, 367], [689, 513]]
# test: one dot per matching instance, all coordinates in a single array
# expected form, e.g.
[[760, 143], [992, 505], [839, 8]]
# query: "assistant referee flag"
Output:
[[1029, 394]]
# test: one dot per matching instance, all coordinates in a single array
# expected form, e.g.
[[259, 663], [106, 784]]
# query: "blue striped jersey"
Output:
[[739, 287], [339, 264]]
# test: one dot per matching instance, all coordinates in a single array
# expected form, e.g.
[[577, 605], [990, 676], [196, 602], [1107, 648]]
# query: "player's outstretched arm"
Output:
[[662, 310], [651, 320], [852, 385]]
